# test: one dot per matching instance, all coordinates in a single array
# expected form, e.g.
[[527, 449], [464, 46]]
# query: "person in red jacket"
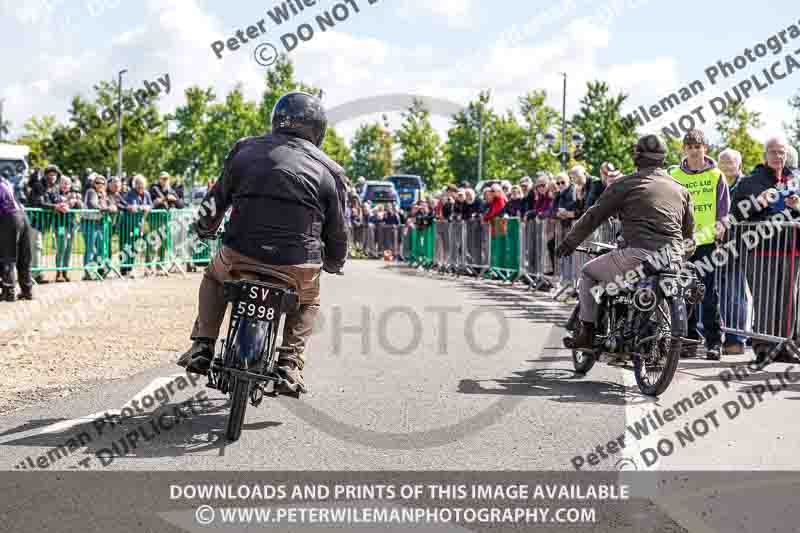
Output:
[[497, 202]]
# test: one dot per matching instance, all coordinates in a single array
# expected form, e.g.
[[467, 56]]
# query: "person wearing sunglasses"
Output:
[[656, 214], [564, 204]]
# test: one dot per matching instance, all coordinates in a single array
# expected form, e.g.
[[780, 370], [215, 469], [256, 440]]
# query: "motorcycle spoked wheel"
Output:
[[656, 367]]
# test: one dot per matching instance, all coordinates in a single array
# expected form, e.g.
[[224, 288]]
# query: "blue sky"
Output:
[[449, 49]]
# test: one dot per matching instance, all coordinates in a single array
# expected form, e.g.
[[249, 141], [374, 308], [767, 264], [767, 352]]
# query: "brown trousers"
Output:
[[228, 265]]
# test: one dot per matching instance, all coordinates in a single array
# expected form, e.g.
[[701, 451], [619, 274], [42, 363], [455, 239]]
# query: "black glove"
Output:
[[563, 250]]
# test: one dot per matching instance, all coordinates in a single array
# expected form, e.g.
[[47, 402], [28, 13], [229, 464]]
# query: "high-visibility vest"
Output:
[[703, 188]]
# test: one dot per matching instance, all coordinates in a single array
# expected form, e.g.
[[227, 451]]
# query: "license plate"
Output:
[[256, 303]]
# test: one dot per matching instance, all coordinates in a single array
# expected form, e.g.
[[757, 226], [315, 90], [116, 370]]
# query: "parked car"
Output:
[[380, 192], [14, 165], [410, 188]]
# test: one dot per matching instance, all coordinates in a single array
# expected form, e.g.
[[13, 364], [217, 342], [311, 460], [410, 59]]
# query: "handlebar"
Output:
[[596, 248]]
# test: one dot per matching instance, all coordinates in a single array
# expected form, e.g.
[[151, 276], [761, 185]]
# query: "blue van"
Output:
[[409, 188]]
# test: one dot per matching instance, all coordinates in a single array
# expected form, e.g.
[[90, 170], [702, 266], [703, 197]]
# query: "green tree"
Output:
[[36, 134], [609, 136], [336, 148], [421, 146], [463, 140], [733, 126], [537, 117], [186, 145], [89, 138], [674, 150], [371, 151], [227, 122], [793, 129]]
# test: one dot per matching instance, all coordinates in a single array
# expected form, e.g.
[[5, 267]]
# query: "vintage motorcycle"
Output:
[[645, 324]]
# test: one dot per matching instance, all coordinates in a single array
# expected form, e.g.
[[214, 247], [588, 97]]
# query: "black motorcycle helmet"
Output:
[[302, 115]]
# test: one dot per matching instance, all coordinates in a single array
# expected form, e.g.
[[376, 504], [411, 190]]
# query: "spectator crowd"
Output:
[[65, 207], [62, 208]]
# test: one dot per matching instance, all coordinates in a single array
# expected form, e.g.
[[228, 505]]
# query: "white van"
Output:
[[14, 165]]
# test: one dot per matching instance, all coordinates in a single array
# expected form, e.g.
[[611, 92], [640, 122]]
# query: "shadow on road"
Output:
[[534, 306], [202, 429], [559, 385], [32, 424]]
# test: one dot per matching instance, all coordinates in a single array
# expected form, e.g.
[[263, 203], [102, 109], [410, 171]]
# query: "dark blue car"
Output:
[[409, 188]]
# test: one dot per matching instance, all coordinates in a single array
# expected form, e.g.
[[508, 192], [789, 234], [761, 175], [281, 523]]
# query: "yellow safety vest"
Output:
[[703, 188]]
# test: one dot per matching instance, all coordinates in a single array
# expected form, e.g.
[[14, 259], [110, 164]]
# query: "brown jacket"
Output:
[[655, 210]]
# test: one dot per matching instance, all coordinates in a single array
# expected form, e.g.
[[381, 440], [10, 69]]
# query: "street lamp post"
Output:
[[119, 124], [480, 139], [550, 137]]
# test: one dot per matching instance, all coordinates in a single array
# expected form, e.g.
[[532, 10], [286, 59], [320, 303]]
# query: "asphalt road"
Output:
[[395, 386]]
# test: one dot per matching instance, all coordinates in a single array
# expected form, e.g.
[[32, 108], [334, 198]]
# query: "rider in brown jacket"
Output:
[[656, 215]]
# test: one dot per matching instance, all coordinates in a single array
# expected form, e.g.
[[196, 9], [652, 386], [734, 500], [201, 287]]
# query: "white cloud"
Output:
[[455, 13], [31, 11], [774, 112], [129, 36]]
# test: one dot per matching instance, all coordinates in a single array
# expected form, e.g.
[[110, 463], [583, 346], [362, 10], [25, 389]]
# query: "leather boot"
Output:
[[293, 383], [197, 359], [583, 339]]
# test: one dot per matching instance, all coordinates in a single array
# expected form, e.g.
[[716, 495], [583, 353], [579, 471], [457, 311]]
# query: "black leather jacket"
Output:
[[288, 202]]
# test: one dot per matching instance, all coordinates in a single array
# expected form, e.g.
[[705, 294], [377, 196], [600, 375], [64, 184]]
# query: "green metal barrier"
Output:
[[505, 248], [143, 238], [424, 246], [77, 240], [408, 245], [99, 242]]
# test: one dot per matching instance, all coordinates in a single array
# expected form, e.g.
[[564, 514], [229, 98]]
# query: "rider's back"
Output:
[[286, 197], [654, 209]]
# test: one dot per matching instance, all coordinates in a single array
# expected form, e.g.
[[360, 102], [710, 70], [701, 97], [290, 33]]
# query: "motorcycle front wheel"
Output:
[[656, 366], [582, 361]]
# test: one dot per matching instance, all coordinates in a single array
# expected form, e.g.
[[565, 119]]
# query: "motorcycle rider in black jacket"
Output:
[[288, 216]]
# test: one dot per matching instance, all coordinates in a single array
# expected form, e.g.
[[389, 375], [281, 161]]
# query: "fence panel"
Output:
[[757, 276], [478, 249]]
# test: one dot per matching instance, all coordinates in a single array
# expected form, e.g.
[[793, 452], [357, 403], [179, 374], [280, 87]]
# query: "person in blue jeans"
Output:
[[733, 302], [93, 227]]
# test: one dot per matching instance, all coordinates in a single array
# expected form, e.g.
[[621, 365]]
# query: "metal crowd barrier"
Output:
[[507, 249], [101, 242], [375, 240], [536, 253], [757, 278], [478, 250]]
